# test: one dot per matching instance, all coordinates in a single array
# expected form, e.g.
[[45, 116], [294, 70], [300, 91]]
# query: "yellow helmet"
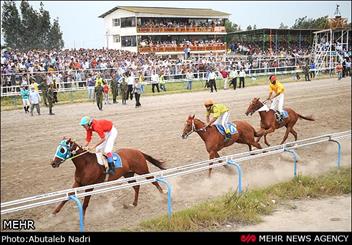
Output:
[[208, 102]]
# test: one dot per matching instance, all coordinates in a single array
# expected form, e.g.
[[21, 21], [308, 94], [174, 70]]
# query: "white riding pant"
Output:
[[223, 119], [278, 102], [108, 144]]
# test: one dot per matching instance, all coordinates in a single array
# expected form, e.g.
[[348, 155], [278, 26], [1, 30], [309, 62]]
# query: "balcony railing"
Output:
[[181, 48], [181, 29]]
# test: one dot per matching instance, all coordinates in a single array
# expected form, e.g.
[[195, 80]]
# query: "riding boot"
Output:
[[111, 170]]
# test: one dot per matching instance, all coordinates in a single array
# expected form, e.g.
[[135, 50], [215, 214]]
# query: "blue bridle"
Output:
[[63, 151]]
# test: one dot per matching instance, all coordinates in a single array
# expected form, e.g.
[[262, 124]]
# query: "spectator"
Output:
[[130, 82], [124, 89], [51, 98], [90, 87], [99, 96], [155, 82], [211, 80], [312, 70], [137, 92], [106, 93], [162, 82], [115, 87], [189, 78], [242, 75], [141, 81], [233, 77], [34, 99], [339, 69], [224, 75]]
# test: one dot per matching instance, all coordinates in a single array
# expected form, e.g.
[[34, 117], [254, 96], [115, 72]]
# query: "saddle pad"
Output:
[[230, 125], [117, 160]]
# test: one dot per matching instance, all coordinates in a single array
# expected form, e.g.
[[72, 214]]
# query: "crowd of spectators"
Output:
[[170, 23]]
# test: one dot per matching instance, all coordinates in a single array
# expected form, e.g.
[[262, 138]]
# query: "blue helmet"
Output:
[[85, 121]]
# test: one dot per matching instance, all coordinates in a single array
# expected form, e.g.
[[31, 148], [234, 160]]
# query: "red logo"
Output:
[[248, 238]]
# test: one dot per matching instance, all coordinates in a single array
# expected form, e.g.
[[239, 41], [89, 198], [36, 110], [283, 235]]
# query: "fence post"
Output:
[[79, 205], [338, 152], [239, 171], [169, 189], [294, 155]]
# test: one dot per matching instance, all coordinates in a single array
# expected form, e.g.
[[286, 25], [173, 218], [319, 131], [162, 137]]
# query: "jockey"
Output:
[[107, 132], [220, 115], [278, 99]]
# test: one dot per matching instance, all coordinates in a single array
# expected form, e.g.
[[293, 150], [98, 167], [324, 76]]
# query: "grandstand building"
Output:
[[165, 31]]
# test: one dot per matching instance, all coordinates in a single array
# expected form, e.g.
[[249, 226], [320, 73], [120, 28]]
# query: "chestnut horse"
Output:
[[268, 122], [89, 171], [214, 141]]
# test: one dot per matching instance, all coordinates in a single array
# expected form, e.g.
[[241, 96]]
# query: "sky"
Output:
[[81, 26]]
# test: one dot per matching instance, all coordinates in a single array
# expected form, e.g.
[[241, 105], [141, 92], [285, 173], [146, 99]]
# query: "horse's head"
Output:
[[189, 127], [64, 150], [254, 106]]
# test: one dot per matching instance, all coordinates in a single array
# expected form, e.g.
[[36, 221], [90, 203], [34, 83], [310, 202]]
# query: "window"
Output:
[[115, 22], [116, 38], [128, 22], [128, 41]]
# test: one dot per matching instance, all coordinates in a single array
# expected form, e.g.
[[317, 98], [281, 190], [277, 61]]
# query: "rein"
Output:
[[194, 129]]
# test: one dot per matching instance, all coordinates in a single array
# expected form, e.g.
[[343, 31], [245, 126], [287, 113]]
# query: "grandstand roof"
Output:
[[168, 11]]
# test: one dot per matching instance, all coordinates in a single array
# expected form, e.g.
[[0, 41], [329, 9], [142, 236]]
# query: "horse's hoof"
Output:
[[52, 215], [127, 206]]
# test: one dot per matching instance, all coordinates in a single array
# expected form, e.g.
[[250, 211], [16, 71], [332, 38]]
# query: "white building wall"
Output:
[[117, 30]]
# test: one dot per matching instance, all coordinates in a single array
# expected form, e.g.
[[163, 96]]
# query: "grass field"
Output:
[[15, 102]]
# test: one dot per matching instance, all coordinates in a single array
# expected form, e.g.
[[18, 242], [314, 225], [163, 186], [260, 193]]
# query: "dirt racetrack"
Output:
[[28, 145]]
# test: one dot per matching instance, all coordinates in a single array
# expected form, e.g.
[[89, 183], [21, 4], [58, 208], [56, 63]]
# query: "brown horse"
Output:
[[214, 141], [268, 123], [89, 171]]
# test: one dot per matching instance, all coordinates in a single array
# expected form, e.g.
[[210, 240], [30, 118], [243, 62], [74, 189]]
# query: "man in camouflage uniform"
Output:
[[43, 87], [51, 98], [99, 96], [124, 88], [115, 87]]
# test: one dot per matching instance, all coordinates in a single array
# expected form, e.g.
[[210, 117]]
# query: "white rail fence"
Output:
[[161, 176]]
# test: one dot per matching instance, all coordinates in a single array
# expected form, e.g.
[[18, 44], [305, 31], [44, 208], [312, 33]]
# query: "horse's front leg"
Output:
[[59, 207], [260, 134], [266, 132], [85, 202], [212, 155]]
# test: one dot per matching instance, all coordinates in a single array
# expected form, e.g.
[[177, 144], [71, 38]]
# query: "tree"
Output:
[[32, 29], [282, 26], [230, 27], [55, 36], [249, 28], [255, 27], [10, 24], [44, 26], [305, 23]]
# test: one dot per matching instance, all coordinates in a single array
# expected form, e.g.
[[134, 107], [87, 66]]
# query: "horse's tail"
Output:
[[310, 118], [154, 161]]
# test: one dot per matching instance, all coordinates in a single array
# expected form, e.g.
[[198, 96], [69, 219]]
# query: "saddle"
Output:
[[230, 125], [103, 159], [280, 117]]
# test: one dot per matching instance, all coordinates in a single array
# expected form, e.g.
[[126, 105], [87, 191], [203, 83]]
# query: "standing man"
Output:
[[107, 133], [220, 115], [130, 82], [124, 89], [242, 75], [115, 87], [189, 78], [278, 99], [99, 96], [34, 99], [155, 81], [51, 98], [90, 87], [44, 88], [233, 78], [211, 79], [225, 76]]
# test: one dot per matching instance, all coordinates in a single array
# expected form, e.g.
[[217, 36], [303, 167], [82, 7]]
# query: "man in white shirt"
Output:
[[34, 99], [242, 74], [211, 80], [155, 81]]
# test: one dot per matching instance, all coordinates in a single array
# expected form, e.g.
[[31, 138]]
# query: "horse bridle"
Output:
[[71, 153], [194, 129]]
